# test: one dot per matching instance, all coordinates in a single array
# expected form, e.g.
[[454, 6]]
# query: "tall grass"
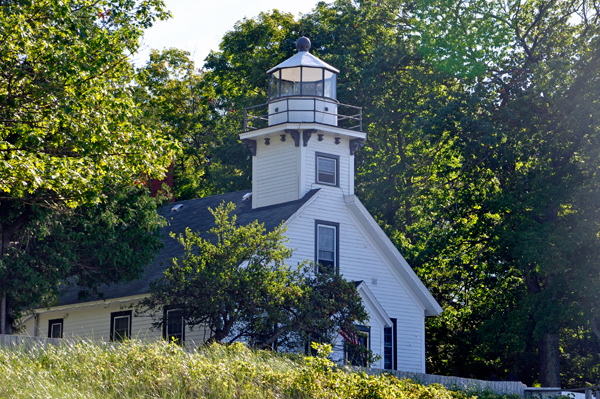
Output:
[[159, 370]]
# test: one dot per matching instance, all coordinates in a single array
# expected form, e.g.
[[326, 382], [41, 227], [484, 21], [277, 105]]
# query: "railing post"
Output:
[[588, 393], [360, 116]]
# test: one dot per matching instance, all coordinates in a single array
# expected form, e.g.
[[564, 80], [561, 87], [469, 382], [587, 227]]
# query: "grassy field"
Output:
[[159, 370]]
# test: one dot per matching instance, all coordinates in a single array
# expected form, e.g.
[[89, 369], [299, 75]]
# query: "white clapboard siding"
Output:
[[277, 166], [361, 260], [93, 322]]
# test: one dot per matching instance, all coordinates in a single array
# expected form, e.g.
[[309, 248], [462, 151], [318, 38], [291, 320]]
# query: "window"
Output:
[[55, 328], [327, 246], [327, 169], [356, 347], [120, 326], [174, 327], [389, 347]]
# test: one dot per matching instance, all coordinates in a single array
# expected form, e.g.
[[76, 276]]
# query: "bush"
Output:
[[161, 370]]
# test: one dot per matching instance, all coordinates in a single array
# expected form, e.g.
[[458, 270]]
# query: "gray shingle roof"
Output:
[[195, 215]]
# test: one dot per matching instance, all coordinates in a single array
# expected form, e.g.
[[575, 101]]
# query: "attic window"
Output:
[[327, 169], [177, 208]]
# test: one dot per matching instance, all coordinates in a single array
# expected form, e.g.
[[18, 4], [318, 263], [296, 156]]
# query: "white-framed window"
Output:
[[120, 325], [326, 245], [55, 328], [174, 327], [327, 169]]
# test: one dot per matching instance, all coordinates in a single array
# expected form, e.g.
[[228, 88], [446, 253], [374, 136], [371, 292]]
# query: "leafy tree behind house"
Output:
[[67, 118], [81, 248], [238, 286]]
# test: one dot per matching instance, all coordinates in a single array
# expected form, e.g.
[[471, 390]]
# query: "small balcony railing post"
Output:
[[360, 117]]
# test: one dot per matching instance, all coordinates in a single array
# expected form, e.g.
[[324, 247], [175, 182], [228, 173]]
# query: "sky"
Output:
[[197, 26]]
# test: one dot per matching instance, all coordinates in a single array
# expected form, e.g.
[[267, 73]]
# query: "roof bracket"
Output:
[[306, 136], [295, 135], [355, 145]]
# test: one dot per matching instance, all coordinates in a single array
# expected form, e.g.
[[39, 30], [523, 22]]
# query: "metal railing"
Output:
[[347, 120]]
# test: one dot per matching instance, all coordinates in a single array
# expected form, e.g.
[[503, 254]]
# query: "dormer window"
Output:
[[327, 169]]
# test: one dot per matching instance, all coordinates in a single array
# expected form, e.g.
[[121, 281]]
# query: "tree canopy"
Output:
[[68, 131]]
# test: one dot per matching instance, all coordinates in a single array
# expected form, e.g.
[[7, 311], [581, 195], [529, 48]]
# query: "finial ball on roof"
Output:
[[303, 44]]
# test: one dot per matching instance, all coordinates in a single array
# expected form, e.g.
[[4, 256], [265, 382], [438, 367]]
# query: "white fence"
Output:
[[498, 387]]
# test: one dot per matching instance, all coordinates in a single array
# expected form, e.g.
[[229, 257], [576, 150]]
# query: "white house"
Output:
[[303, 150]]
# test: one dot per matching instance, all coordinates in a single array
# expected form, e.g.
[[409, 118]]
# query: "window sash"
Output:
[[326, 170], [56, 330], [388, 350], [121, 328], [326, 245], [175, 326]]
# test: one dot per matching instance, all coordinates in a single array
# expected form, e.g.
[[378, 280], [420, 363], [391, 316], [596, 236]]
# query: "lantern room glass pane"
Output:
[[290, 82], [274, 85], [312, 81], [312, 74], [330, 84]]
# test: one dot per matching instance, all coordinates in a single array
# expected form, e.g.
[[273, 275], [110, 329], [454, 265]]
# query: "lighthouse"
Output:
[[303, 138]]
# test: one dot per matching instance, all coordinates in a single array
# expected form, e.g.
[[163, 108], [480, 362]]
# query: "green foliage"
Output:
[[68, 136], [85, 247], [66, 107], [158, 370], [238, 286], [177, 100]]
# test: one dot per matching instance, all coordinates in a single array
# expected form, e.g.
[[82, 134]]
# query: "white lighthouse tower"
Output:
[[304, 138]]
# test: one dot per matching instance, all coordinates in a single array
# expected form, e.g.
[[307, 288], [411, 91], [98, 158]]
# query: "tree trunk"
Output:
[[549, 357], [3, 314], [4, 240]]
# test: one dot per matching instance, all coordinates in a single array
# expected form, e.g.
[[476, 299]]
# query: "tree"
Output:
[[81, 248], [66, 109], [238, 286], [177, 99], [527, 171]]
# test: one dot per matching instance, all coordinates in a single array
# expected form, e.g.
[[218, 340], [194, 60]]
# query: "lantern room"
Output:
[[302, 75], [303, 89]]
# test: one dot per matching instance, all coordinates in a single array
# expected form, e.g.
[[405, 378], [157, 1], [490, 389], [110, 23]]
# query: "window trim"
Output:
[[115, 315], [336, 158], [166, 310], [336, 256], [56, 321]]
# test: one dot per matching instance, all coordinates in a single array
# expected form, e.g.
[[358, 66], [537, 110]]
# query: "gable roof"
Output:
[[372, 304], [195, 215], [389, 250]]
